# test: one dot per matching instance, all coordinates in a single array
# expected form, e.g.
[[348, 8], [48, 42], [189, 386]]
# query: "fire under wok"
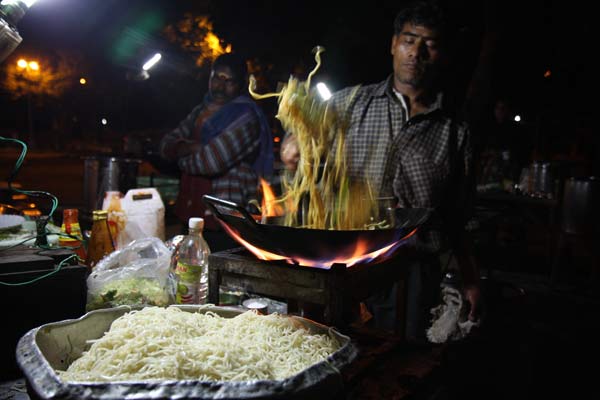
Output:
[[313, 244]]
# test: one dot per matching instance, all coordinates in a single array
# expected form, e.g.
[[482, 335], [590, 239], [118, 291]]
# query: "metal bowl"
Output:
[[43, 350]]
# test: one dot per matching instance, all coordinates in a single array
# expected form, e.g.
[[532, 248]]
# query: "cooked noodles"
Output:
[[168, 343], [321, 194]]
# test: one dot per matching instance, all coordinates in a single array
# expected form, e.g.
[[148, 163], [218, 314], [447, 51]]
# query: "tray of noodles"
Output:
[[184, 351]]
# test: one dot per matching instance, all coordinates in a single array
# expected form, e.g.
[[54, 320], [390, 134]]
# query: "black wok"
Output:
[[312, 244]]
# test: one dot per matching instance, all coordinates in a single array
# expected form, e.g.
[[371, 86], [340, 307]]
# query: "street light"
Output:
[[138, 76], [142, 75], [152, 61], [29, 71], [323, 91]]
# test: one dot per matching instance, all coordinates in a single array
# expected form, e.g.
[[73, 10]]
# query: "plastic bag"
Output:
[[138, 275]]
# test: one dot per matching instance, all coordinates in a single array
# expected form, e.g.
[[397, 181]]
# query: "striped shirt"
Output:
[[424, 161], [226, 161]]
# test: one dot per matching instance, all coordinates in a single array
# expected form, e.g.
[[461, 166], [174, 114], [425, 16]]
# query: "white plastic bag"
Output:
[[138, 274]]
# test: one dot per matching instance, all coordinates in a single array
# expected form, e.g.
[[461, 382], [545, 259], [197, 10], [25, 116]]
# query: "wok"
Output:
[[313, 244]]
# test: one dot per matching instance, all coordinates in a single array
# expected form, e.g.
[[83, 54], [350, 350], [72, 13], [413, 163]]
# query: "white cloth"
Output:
[[450, 320]]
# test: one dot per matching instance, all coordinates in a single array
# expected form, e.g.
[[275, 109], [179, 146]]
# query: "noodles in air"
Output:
[[321, 188], [167, 343]]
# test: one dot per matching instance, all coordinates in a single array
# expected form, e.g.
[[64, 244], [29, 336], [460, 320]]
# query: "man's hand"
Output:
[[180, 148], [472, 294], [290, 153]]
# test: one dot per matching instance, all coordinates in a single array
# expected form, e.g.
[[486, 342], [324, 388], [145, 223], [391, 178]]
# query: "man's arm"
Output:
[[460, 238], [290, 152], [176, 143], [237, 141], [463, 249]]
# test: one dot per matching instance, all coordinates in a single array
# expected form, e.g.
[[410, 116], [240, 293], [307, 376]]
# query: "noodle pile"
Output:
[[321, 188], [168, 343]]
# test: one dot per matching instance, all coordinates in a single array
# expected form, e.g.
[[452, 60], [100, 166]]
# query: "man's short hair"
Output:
[[237, 64], [423, 13]]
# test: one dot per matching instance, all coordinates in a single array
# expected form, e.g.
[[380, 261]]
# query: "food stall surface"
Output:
[[532, 346], [59, 296]]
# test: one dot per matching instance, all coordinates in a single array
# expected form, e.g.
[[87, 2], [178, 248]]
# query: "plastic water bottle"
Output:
[[192, 265]]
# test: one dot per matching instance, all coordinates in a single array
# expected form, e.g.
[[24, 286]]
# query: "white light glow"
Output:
[[28, 3], [150, 63], [517, 118], [104, 121], [323, 91]]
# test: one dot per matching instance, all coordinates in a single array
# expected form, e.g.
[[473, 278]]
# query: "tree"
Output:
[[38, 79], [51, 79], [194, 33]]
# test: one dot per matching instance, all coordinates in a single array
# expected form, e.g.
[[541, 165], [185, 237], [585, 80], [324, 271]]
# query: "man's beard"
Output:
[[411, 80], [419, 79]]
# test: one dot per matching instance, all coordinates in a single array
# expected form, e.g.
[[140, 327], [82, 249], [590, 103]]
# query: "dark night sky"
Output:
[[113, 35]]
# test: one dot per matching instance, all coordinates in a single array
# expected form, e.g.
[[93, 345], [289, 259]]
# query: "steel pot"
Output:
[[579, 215], [102, 174]]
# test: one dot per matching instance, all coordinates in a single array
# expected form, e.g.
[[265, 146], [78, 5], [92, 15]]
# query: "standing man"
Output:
[[221, 148], [404, 139]]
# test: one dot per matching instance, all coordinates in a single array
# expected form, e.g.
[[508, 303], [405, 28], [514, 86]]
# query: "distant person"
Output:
[[507, 146], [221, 148]]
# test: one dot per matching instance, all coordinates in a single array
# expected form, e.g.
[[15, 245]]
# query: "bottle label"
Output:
[[70, 229], [189, 282]]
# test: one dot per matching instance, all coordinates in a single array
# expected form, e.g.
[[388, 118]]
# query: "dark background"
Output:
[[114, 37]]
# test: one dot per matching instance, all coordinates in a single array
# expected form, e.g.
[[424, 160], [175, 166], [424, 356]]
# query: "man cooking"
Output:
[[405, 140]]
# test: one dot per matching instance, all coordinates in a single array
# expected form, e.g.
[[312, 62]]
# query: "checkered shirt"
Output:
[[423, 161], [226, 160]]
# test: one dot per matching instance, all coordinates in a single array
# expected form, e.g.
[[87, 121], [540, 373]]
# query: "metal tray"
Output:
[[54, 346]]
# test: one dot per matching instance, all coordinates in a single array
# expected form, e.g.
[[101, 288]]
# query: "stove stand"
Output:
[[337, 290]]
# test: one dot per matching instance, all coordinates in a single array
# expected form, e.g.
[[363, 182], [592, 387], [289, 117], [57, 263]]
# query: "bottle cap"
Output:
[[70, 212], [196, 223], [99, 214]]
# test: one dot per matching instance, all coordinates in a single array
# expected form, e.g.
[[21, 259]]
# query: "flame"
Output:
[[270, 207], [357, 253], [261, 254]]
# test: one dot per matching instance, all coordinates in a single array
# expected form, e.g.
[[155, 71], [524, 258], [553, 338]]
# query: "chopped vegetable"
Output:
[[131, 291]]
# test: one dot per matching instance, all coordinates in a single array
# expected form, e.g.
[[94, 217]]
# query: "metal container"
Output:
[[580, 214], [543, 180], [102, 174], [54, 346]]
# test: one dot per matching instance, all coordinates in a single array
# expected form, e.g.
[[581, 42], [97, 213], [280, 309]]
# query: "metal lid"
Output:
[[99, 214]]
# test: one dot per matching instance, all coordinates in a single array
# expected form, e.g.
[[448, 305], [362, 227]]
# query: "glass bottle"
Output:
[[192, 265], [116, 215], [101, 242], [71, 232]]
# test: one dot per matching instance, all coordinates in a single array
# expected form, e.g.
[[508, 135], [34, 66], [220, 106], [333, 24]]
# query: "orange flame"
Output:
[[261, 254], [356, 256], [270, 207]]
